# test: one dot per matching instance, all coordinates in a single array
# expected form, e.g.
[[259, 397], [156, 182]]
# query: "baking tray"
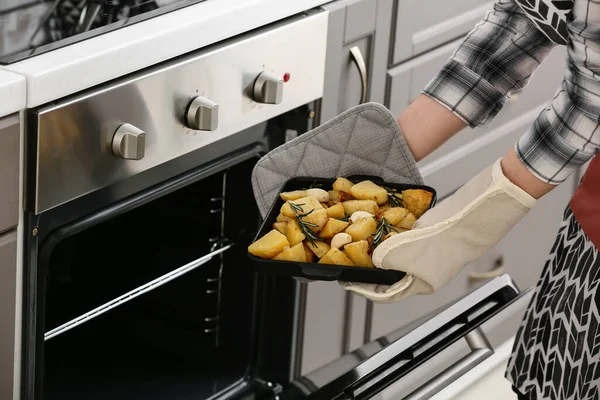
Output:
[[324, 272]]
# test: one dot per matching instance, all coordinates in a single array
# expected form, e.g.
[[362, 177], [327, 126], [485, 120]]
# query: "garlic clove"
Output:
[[319, 194], [340, 240], [359, 215]]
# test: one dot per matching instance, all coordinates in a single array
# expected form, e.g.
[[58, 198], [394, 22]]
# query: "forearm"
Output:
[[516, 172], [495, 59], [427, 124]]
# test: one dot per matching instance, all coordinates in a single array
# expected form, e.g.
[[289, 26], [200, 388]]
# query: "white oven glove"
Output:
[[452, 234]]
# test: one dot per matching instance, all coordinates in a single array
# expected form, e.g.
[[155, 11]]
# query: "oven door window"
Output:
[[158, 302]]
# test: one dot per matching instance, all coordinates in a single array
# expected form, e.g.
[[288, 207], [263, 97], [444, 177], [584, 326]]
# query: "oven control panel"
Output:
[[105, 135]]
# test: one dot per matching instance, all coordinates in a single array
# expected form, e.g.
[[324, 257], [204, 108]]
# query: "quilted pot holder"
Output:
[[365, 140]]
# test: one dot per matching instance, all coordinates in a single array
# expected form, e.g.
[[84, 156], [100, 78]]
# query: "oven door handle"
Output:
[[480, 350]]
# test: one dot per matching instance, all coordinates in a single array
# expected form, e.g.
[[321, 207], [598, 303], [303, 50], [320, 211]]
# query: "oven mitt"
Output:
[[454, 233], [365, 140]]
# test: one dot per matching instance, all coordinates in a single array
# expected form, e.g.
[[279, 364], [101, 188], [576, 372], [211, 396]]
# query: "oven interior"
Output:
[[190, 338]]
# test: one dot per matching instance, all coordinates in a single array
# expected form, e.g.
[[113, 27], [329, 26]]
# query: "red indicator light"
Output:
[[286, 77]]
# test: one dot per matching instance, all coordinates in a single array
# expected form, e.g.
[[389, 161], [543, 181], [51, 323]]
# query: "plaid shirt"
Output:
[[499, 56]]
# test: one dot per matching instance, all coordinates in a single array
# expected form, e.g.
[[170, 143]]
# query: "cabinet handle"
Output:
[[494, 273], [358, 59]]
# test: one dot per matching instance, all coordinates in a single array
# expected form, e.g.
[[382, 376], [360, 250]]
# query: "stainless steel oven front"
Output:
[[139, 209]]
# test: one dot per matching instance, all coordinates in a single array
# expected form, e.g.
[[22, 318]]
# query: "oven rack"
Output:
[[145, 288]]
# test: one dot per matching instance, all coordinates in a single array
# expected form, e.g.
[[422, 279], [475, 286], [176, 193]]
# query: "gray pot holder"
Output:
[[365, 140]]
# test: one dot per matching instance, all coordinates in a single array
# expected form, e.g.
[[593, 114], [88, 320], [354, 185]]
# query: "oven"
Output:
[[139, 211]]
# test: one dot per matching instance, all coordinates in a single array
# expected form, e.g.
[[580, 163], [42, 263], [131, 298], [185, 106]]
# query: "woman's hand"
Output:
[[450, 235]]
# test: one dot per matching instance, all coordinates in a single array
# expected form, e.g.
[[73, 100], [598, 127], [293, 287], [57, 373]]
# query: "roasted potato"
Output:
[[334, 197], [333, 227], [417, 201], [295, 195], [367, 190], [358, 253], [283, 218], [408, 221], [362, 229], [336, 211], [306, 203], [393, 215], [269, 245], [336, 257], [318, 218], [310, 256], [330, 215], [294, 233], [280, 226], [319, 248], [351, 206], [294, 253], [342, 185]]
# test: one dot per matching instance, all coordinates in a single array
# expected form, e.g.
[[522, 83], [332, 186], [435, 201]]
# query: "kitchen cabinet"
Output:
[[404, 43], [8, 285], [358, 32], [424, 24], [9, 179], [356, 47]]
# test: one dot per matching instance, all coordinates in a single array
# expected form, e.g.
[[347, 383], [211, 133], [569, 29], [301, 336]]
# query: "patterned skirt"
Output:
[[556, 355]]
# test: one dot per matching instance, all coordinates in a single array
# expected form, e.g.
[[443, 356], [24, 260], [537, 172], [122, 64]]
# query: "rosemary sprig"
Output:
[[314, 185], [305, 226], [395, 201], [383, 228], [345, 219]]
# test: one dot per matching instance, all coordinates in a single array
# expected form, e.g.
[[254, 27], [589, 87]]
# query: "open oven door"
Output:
[[419, 361]]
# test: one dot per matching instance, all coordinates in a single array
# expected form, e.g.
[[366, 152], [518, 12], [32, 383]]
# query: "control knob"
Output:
[[268, 88], [129, 142], [202, 114]]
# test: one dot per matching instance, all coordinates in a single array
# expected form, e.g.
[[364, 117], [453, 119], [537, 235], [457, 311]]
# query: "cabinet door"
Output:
[[9, 179], [523, 250], [333, 324], [422, 25], [350, 43], [8, 282], [408, 80]]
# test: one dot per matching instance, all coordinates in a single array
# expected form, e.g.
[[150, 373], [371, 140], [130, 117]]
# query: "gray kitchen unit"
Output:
[[9, 217], [386, 51]]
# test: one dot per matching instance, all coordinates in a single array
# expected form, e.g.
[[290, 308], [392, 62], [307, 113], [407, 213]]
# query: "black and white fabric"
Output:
[[556, 355], [550, 17], [498, 58]]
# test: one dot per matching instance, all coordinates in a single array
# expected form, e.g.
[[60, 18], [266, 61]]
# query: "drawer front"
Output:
[[8, 281], [9, 179], [424, 24], [408, 80], [455, 168], [323, 326]]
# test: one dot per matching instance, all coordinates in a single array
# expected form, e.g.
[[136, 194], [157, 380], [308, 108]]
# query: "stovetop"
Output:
[[33, 27]]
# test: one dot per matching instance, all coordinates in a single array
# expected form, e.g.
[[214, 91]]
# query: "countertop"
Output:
[[12, 93], [85, 64]]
